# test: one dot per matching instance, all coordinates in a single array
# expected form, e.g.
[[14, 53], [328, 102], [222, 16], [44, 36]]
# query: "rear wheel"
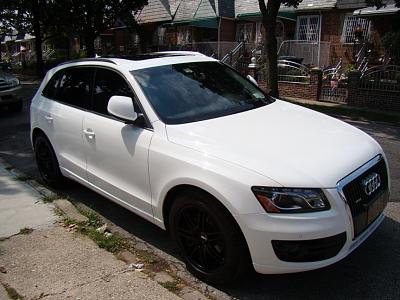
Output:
[[209, 239], [47, 162]]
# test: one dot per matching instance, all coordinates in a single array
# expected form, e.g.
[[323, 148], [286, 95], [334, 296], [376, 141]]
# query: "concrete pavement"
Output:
[[19, 207], [52, 262]]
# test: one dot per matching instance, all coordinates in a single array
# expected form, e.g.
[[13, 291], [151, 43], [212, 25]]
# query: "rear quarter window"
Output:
[[72, 86], [50, 89]]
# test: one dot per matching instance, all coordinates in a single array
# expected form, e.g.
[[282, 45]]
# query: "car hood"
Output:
[[292, 145]]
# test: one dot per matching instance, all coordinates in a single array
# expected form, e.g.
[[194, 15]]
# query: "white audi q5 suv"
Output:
[[237, 177]]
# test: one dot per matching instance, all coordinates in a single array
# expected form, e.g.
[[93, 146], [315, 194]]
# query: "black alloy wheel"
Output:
[[209, 239], [201, 239], [47, 163]]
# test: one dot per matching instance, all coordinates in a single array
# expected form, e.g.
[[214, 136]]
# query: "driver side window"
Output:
[[107, 84]]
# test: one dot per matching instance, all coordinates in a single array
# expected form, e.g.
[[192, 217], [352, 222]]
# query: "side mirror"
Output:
[[252, 80], [122, 108]]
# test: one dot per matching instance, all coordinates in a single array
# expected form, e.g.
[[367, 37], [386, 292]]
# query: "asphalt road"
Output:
[[370, 272]]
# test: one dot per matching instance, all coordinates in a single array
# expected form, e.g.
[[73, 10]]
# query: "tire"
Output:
[[209, 239], [47, 162], [16, 107]]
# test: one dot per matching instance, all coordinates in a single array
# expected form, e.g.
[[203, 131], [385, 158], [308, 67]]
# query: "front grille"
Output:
[[366, 208], [3, 85]]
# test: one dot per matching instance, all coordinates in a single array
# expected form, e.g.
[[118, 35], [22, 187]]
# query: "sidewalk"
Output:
[[41, 259], [346, 111]]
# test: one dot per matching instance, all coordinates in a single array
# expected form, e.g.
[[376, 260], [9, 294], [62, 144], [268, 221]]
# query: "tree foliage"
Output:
[[47, 18], [26, 16], [89, 18]]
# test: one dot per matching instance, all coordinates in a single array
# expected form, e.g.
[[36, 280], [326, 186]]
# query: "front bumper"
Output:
[[261, 230], [10, 95]]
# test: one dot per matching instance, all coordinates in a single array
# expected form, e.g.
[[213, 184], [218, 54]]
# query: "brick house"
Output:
[[166, 24], [320, 32], [384, 21]]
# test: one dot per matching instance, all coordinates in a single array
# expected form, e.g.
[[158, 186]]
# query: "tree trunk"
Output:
[[270, 13], [1, 37], [38, 39], [89, 41]]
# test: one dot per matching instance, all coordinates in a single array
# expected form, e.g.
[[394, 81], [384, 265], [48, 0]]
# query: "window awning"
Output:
[[287, 15], [206, 22], [389, 9]]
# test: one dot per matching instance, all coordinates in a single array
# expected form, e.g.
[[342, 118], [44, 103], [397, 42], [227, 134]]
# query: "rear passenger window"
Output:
[[74, 87], [107, 84]]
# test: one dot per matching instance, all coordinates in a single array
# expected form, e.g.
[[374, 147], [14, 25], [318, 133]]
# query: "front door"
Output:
[[116, 152]]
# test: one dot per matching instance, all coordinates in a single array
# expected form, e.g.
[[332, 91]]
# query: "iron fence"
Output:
[[334, 94], [385, 77], [290, 71]]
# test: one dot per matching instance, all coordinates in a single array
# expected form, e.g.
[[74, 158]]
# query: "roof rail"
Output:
[[160, 54], [88, 59]]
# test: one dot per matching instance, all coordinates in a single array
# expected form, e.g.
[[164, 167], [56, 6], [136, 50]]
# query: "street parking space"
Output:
[[370, 272]]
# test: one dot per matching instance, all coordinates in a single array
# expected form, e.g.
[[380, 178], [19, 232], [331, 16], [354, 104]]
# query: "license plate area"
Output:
[[367, 213]]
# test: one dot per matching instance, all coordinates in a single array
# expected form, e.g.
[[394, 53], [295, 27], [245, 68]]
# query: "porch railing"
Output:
[[311, 53], [217, 50]]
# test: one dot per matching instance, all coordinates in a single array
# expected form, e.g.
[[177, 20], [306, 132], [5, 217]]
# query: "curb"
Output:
[[193, 289]]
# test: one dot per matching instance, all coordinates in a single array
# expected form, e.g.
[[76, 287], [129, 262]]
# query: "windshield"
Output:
[[190, 92]]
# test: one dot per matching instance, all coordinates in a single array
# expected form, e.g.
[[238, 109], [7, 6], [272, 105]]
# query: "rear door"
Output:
[[69, 95], [116, 152]]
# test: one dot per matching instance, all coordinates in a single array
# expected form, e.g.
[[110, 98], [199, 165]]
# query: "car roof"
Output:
[[141, 61]]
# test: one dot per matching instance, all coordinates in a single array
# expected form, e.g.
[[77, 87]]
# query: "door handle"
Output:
[[89, 133], [49, 119]]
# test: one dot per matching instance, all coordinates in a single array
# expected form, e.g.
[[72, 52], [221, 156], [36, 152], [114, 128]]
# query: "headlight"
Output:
[[13, 82], [291, 200]]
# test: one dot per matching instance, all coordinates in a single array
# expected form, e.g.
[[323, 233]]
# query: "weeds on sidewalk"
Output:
[[94, 220], [26, 230], [113, 243], [22, 178], [12, 293], [172, 286], [50, 198]]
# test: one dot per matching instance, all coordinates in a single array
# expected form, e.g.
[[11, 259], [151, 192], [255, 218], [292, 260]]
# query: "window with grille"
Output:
[[184, 35], [308, 28], [350, 25], [244, 32]]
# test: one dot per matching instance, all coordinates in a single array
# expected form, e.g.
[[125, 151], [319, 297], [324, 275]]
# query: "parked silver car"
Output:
[[9, 85]]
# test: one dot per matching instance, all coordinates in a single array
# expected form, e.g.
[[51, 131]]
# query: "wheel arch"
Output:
[[35, 133], [182, 188]]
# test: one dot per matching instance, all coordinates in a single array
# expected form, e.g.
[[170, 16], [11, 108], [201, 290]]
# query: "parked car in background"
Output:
[[9, 86], [237, 177]]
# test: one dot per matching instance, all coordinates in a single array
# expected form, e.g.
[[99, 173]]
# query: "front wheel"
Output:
[[47, 162], [209, 239]]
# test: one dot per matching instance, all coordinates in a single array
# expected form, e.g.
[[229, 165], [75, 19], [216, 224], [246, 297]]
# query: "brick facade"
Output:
[[227, 30], [308, 91]]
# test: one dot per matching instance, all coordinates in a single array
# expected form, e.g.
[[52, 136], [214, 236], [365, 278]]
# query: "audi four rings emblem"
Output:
[[371, 183]]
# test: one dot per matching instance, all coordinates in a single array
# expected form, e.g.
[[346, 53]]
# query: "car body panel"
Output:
[[117, 158], [318, 150]]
